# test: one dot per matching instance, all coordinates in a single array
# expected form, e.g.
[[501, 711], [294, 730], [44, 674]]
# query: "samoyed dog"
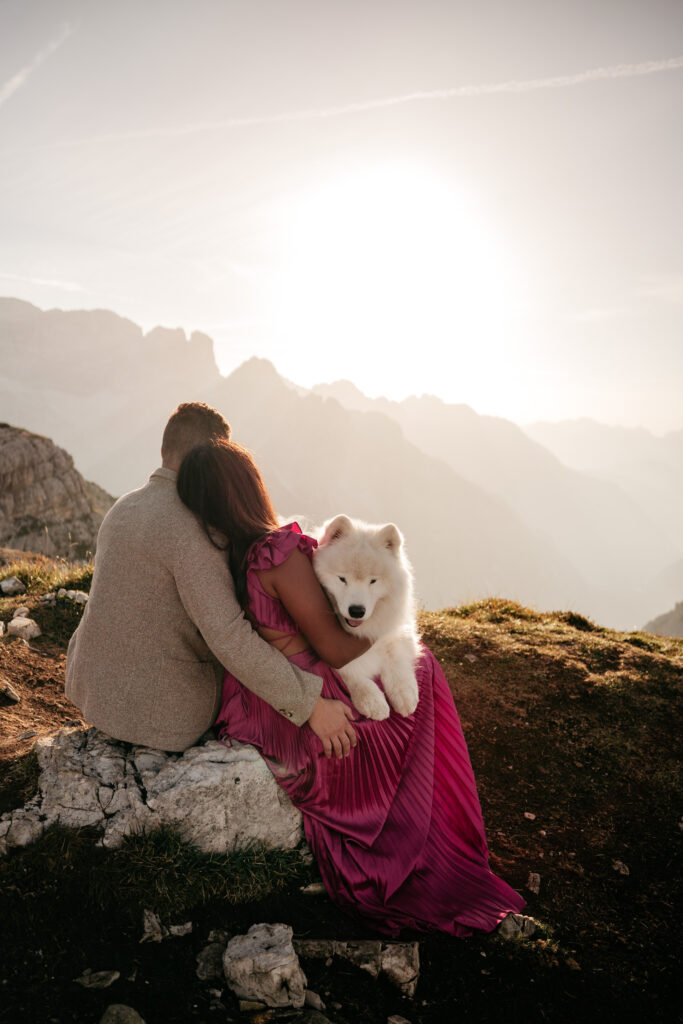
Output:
[[368, 578]]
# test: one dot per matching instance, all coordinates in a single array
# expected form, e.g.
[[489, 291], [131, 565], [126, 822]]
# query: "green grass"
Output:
[[155, 870], [45, 576]]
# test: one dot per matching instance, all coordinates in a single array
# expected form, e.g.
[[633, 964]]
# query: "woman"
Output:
[[396, 826]]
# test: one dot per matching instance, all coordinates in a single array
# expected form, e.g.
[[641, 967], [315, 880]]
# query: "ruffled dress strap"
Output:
[[269, 551], [275, 547]]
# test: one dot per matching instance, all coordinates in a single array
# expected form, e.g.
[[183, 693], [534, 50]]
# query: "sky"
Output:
[[478, 201]]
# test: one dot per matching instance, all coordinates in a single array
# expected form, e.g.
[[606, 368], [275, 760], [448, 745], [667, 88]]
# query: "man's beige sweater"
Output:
[[146, 662]]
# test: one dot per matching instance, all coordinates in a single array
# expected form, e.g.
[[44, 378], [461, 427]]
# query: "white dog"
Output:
[[368, 578]]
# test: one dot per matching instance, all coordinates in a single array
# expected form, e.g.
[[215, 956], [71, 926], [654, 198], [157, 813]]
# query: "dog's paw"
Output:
[[370, 701], [405, 700]]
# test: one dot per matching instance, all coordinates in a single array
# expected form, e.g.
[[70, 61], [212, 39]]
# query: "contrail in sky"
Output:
[[21, 77], [650, 67]]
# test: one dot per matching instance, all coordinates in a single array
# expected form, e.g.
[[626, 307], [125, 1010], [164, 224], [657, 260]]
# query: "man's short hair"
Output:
[[191, 424]]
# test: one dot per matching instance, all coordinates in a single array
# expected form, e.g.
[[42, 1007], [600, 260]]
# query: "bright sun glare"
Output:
[[391, 279]]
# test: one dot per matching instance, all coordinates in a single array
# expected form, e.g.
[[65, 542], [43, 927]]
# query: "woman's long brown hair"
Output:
[[221, 484]]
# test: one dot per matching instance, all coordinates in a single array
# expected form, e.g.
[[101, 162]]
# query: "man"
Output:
[[145, 664]]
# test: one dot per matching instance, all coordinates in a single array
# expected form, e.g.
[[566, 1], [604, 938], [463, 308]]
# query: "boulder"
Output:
[[216, 796], [11, 586], [26, 629], [263, 966]]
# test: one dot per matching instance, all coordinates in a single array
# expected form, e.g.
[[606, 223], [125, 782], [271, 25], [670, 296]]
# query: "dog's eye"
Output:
[[342, 579], [373, 581]]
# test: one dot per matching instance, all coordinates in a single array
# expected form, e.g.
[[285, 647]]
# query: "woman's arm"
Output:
[[297, 586]]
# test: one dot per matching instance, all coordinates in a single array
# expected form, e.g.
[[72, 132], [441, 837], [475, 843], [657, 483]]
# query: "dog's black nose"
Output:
[[356, 611]]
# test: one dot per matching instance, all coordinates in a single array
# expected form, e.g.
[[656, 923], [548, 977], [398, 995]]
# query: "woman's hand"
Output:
[[331, 722]]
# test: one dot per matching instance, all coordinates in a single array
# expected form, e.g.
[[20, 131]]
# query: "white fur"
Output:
[[364, 566]]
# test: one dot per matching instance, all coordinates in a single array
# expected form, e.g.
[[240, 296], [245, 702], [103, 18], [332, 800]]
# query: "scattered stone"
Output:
[[396, 1018], [90, 779], [471, 658], [262, 965], [48, 599], [210, 961], [542, 832], [516, 926], [118, 1013], [314, 1000], [178, 930], [151, 927], [21, 613], [155, 931], [11, 586], [529, 816], [534, 882], [27, 629], [97, 979], [61, 592], [399, 961], [29, 734], [8, 695], [77, 596], [313, 889], [2, 628], [619, 866]]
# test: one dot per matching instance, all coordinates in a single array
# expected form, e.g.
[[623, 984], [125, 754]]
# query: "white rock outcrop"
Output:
[[216, 796]]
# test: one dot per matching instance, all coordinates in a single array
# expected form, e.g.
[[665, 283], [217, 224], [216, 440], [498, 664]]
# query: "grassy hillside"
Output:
[[574, 733]]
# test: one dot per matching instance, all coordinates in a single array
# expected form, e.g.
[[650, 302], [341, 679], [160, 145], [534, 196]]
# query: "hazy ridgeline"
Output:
[[570, 515]]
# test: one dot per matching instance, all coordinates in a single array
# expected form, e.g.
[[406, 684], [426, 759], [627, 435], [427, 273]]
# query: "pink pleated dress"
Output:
[[396, 827]]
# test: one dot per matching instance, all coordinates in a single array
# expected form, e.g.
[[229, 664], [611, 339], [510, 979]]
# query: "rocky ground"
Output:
[[574, 733]]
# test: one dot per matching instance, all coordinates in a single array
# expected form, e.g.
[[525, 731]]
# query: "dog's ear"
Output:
[[335, 529], [391, 537]]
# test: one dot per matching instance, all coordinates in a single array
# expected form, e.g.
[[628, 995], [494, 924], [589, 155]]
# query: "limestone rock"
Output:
[[45, 505], [11, 586], [210, 962], [21, 613], [516, 926], [27, 629], [97, 979], [215, 796], [119, 1013], [8, 695], [399, 961], [2, 628], [206, 791], [263, 966], [534, 882]]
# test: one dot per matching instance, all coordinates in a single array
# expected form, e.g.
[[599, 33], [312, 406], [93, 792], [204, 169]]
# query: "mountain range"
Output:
[[486, 506]]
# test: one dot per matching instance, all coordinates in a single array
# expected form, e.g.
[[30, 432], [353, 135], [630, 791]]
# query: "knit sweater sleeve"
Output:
[[207, 592]]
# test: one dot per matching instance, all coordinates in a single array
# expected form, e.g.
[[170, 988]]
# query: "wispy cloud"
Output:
[[613, 71], [65, 286], [15, 83]]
